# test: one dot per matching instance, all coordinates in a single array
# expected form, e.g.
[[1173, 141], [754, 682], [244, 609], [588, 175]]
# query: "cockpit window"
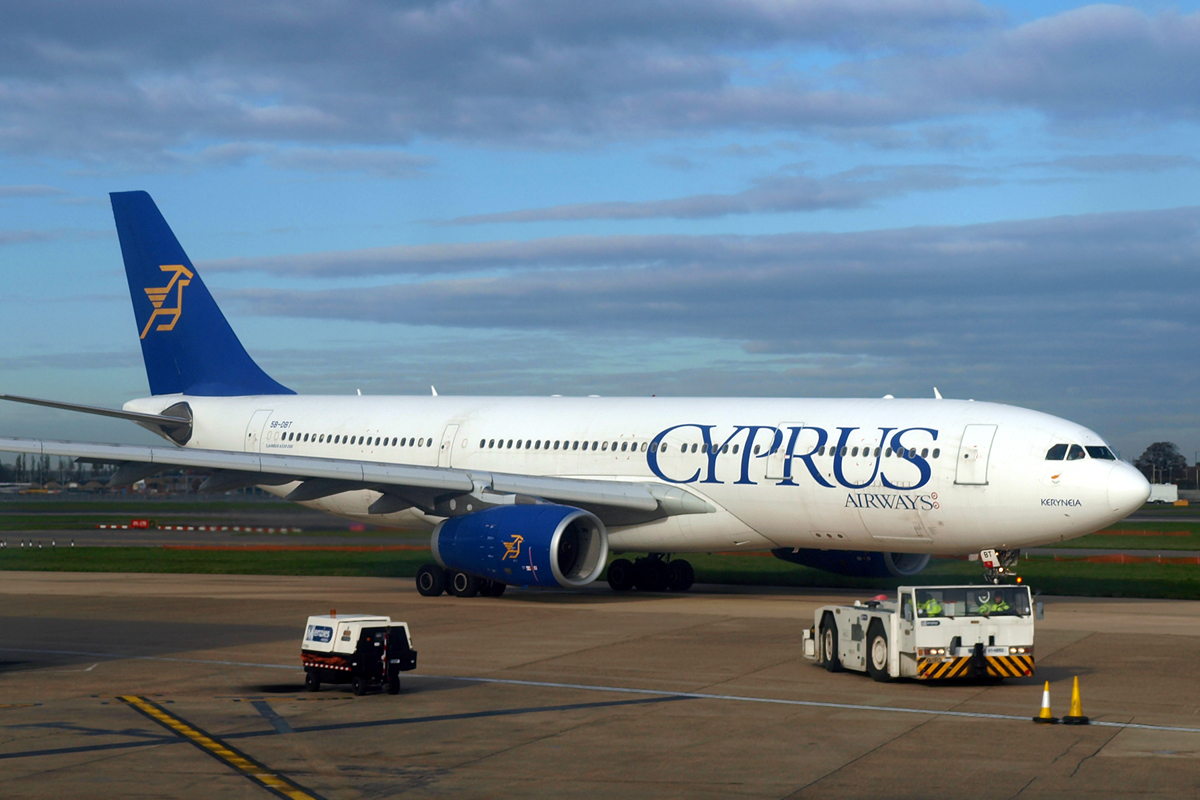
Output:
[[1101, 452], [1056, 453], [1075, 453]]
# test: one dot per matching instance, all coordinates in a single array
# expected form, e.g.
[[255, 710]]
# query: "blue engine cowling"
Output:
[[857, 563], [524, 545]]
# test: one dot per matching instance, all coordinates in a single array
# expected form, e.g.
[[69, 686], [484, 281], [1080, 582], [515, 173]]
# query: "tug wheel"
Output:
[[877, 652]]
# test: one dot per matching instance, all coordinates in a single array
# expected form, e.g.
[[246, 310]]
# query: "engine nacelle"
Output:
[[858, 563], [524, 545]]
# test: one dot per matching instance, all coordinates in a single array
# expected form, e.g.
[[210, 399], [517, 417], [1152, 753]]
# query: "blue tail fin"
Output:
[[187, 344]]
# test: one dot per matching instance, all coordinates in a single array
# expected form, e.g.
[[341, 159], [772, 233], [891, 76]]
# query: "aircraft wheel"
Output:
[[463, 585], [650, 575], [489, 588], [620, 575], [829, 644], [431, 580], [877, 652], [681, 576]]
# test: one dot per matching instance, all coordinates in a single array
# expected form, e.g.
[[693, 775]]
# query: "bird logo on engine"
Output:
[[513, 549]]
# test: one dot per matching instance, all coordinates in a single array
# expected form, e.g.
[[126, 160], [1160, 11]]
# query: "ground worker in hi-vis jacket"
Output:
[[931, 607], [997, 605]]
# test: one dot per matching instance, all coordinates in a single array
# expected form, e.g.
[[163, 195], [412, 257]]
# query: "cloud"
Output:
[[30, 236], [1061, 283], [778, 193], [1123, 162], [1097, 63], [139, 80], [31, 191], [372, 163]]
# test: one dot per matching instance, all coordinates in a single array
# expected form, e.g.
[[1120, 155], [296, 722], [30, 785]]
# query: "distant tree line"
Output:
[[1162, 463]]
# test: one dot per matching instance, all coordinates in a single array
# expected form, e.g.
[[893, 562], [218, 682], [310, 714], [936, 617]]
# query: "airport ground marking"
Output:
[[280, 724], [658, 692], [230, 756]]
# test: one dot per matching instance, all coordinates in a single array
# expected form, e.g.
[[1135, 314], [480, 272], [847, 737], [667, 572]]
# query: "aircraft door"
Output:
[[447, 449], [254, 431], [973, 454], [777, 460]]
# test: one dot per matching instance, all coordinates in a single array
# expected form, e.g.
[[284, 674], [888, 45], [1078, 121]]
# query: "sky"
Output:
[[836, 198]]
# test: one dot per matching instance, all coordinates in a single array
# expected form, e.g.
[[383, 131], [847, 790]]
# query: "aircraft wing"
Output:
[[430, 489]]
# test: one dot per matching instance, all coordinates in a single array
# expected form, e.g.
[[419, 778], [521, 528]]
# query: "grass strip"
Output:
[[1074, 577]]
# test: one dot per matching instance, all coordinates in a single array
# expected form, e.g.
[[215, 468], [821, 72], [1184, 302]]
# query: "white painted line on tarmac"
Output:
[[585, 687]]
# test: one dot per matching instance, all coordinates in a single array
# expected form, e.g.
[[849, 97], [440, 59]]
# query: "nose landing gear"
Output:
[[999, 566]]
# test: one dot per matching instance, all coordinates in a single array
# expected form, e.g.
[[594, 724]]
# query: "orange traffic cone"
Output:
[[1045, 717], [1076, 716]]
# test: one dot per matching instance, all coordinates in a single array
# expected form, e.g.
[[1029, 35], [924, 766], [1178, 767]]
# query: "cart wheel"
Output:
[[393, 685], [359, 685], [877, 652], [312, 681], [829, 644]]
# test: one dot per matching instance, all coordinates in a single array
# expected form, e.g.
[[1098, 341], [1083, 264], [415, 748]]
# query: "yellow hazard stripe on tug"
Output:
[[1010, 666], [231, 756], [960, 667], [942, 668]]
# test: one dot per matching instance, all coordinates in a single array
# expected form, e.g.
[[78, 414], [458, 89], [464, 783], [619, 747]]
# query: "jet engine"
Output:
[[540, 544], [857, 563]]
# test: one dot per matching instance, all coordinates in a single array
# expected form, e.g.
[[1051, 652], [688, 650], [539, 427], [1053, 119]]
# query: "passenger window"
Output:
[[757, 446], [537, 445], [664, 447], [306, 437], [556, 444], [854, 452], [644, 447], [1075, 453], [574, 445], [724, 448], [509, 445], [887, 453], [735, 449], [683, 448], [936, 452], [925, 452], [694, 447], [1056, 453], [624, 446], [1101, 452], [820, 450]]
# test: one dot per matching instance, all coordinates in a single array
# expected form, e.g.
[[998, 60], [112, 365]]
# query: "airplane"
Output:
[[536, 491]]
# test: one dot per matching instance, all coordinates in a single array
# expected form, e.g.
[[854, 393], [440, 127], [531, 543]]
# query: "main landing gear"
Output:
[[651, 573], [432, 580], [999, 566]]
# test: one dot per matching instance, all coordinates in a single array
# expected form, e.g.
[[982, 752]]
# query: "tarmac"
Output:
[[171, 686]]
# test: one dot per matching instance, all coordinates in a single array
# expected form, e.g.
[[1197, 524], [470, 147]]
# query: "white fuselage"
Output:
[[918, 476]]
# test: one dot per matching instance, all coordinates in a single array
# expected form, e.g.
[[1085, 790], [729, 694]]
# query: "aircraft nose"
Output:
[[1128, 489]]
